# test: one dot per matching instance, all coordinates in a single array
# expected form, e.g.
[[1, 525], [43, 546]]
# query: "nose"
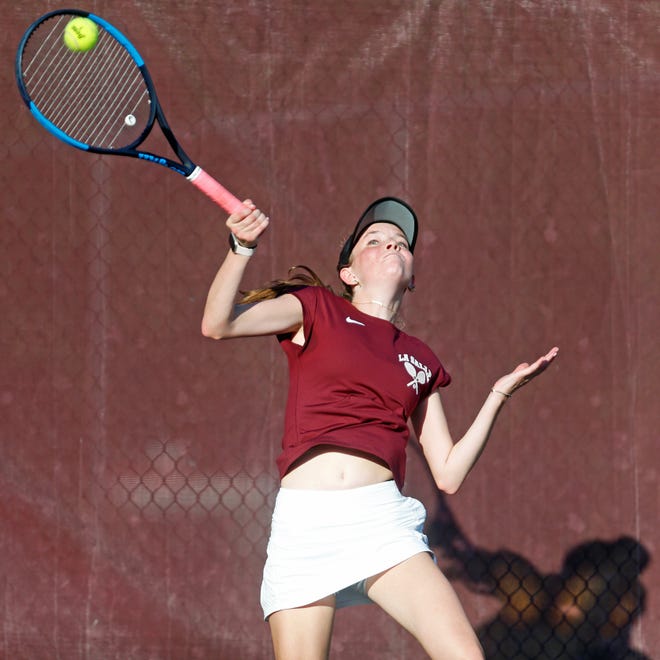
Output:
[[393, 245]]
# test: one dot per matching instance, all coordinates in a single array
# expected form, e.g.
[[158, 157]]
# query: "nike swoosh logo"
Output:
[[350, 320]]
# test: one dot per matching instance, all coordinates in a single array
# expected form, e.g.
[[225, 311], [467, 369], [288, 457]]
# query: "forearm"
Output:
[[221, 298], [463, 455], [450, 463], [246, 225]]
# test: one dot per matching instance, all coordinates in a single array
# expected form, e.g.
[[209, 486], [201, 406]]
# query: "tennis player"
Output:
[[342, 532]]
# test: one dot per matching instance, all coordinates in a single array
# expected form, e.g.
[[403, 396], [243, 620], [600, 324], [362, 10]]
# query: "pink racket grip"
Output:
[[218, 193]]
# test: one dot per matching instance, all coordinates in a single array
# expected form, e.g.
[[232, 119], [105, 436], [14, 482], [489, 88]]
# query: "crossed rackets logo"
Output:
[[419, 372]]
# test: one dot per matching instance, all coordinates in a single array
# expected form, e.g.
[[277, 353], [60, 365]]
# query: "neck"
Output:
[[383, 310], [390, 308]]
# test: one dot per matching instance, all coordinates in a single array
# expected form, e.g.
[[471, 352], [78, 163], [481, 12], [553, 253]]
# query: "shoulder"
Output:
[[320, 306], [414, 342], [314, 295], [420, 352]]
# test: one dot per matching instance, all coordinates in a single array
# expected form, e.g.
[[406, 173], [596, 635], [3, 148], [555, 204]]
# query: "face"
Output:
[[382, 252]]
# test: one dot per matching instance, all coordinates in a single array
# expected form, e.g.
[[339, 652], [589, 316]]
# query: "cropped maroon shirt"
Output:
[[354, 383]]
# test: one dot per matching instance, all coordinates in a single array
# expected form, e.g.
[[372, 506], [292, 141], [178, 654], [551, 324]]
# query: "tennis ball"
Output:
[[80, 34]]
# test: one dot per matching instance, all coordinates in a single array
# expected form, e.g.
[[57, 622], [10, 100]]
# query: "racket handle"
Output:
[[218, 193]]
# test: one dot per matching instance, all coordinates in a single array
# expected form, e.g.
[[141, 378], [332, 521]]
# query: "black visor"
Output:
[[386, 209]]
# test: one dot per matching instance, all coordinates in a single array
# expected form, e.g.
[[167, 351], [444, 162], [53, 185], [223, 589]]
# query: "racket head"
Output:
[[101, 100]]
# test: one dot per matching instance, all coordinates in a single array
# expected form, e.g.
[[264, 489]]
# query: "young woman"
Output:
[[342, 532]]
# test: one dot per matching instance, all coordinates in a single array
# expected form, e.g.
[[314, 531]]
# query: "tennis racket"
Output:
[[101, 100]]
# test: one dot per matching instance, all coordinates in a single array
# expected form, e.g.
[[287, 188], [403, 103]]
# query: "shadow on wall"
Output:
[[585, 612]]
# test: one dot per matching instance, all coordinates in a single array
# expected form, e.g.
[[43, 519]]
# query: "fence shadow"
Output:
[[584, 612]]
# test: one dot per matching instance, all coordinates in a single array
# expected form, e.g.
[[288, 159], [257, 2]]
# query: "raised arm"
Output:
[[222, 317], [451, 462]]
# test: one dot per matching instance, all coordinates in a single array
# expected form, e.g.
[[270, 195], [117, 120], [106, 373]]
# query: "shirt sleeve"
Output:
[[442, 378], [308, 297]]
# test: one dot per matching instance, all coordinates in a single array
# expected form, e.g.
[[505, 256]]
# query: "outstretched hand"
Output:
[[247, 224], [523, 373]]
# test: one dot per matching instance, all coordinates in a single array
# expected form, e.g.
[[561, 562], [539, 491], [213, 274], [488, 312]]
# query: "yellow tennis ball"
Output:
[[80, 34]]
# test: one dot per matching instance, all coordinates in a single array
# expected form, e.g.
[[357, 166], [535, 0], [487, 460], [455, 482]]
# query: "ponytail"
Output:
[[277, 288]]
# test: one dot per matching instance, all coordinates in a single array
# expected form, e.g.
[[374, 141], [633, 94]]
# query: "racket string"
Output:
[[87, 95], [79, 86], [94, 127], [129, 86], [46, 65], [80, 73]]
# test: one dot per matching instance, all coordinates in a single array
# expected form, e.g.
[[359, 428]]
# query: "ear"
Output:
[[347, 276], [411, 284]]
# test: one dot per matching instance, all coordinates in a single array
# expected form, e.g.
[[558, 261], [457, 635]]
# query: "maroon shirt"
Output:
[[354, 383]]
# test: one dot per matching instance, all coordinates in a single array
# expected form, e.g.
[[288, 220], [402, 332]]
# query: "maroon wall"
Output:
[[138, 457]]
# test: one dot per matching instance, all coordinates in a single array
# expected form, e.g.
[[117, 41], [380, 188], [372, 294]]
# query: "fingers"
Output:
[[552, 353], [525, 372], [543, 362], [248, 223], [540, 364]]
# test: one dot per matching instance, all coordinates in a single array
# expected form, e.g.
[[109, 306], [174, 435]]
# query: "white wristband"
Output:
[[237, 248]]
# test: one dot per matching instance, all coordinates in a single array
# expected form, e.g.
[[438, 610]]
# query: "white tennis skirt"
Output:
[[326, 542]]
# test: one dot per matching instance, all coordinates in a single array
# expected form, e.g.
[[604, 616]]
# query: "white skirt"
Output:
[[326, 542]]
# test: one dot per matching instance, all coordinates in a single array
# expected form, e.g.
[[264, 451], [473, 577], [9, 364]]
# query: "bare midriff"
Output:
[[328, 468]]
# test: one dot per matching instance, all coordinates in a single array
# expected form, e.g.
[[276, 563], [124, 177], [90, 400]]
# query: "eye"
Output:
[[372, 241], [403, 244]]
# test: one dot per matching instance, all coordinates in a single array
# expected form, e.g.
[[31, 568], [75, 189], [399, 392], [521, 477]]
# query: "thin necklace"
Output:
[[375, 302]]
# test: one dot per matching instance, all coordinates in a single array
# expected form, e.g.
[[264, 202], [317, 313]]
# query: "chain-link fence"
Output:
[[138, 457], [585, 610]]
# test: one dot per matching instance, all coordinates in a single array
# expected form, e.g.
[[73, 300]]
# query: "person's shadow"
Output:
[[585, 612]]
